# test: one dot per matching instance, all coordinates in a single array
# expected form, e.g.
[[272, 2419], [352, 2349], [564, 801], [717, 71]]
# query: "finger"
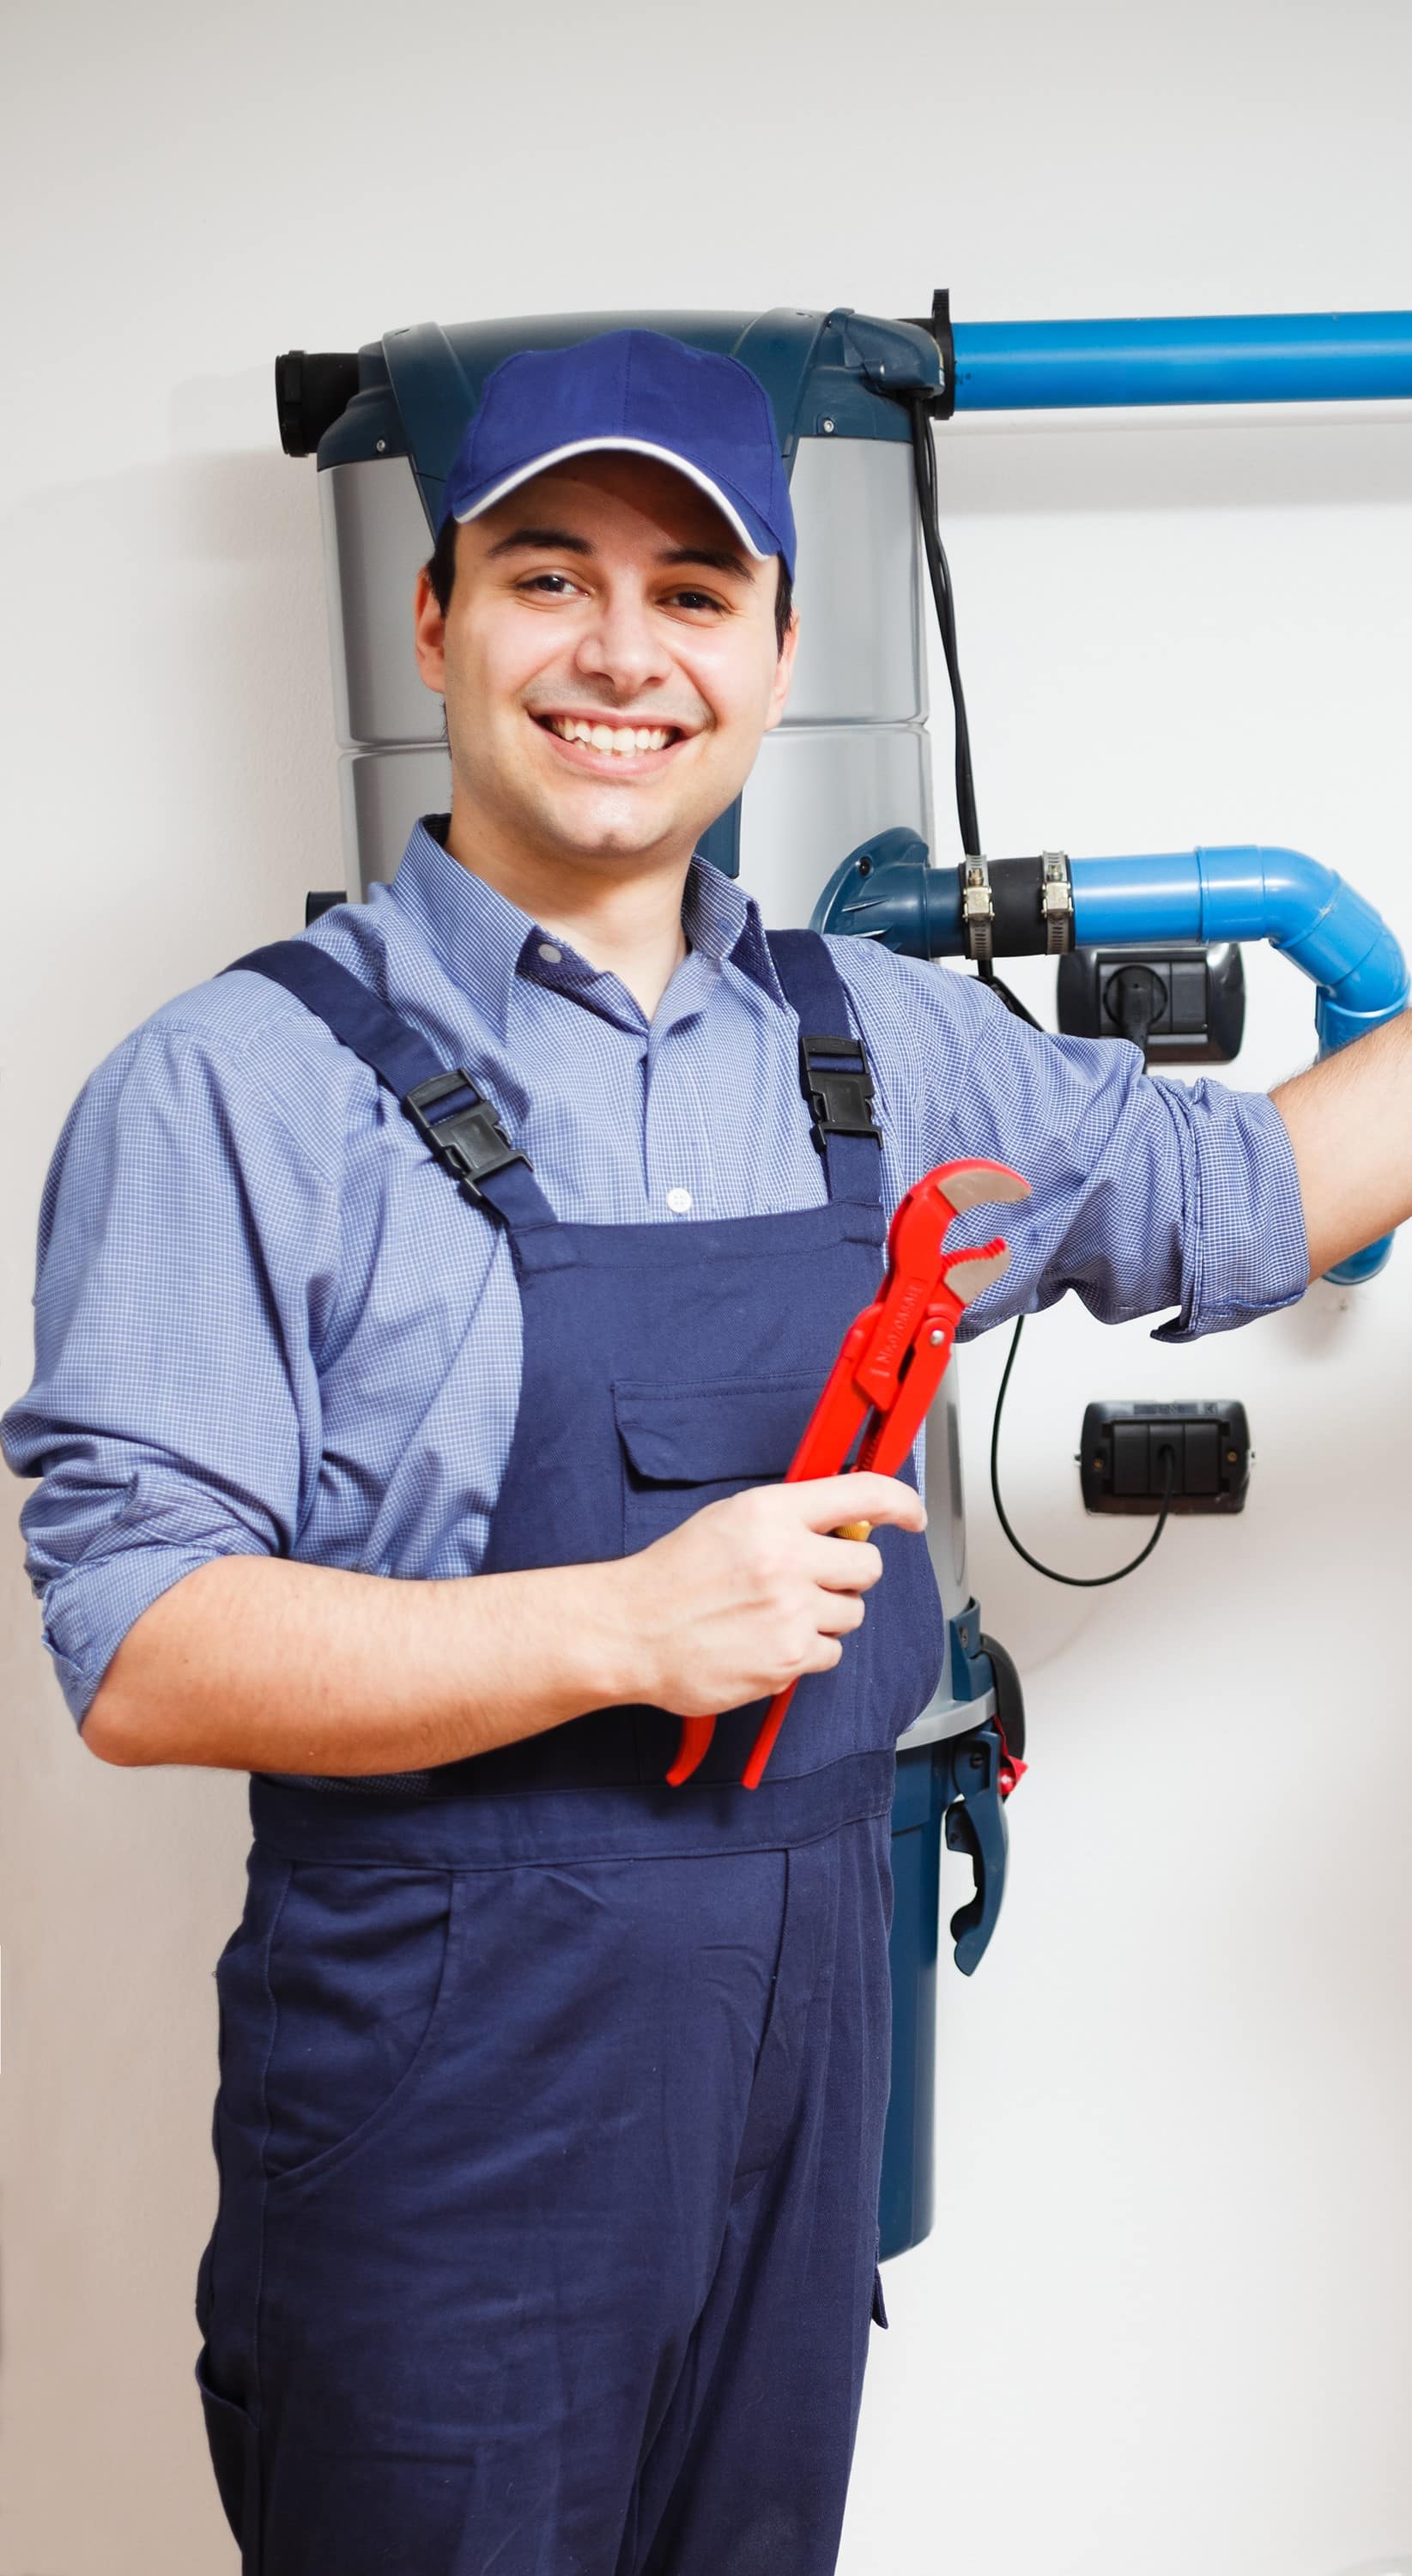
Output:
[[823, 1656], [844, 1565], [829, 1500], [838, 1614]]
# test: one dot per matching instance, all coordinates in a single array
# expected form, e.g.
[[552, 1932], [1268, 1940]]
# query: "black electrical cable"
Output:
[[939, 570], [924, 466], [1078, 1582]]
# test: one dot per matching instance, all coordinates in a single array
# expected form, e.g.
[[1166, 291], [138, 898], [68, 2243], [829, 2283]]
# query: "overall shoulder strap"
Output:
[[446, 1106], [834, 1074]]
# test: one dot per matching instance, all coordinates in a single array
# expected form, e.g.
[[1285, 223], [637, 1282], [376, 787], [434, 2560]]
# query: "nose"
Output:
[[622, 643]]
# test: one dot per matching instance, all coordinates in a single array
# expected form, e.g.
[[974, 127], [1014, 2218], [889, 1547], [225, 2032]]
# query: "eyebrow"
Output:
[[715, 558], [561, 541], [550, 540]]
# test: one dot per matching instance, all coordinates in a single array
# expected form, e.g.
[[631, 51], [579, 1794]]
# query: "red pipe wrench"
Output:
[[886, 1373]]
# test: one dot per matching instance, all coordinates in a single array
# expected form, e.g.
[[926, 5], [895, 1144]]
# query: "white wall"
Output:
[[1164, 2323]]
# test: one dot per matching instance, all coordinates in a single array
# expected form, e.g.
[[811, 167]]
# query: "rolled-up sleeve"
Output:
[[1245, 1251], [1146, 1193], [186, 1240]]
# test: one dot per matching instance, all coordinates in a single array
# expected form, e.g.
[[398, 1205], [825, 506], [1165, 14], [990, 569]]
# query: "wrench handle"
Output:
[[764, 1744], [696, 1734]]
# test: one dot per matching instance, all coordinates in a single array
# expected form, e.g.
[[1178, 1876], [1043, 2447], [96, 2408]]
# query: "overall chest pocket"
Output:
[[684, 1447]]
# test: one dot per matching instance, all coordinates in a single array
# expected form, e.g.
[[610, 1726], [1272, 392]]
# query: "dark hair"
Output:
[[441, 573]]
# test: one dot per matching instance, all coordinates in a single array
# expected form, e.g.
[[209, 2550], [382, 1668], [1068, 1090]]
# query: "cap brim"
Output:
[[761, 546]]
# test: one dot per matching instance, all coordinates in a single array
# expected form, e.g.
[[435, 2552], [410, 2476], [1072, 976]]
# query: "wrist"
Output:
[[603, 1627]]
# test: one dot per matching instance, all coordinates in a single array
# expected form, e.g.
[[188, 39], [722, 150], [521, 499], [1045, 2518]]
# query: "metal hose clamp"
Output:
[[1056, 902], [977, 912]]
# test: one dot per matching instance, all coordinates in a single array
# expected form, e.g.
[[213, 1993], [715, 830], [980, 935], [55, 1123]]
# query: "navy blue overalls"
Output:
[[551, 2104]]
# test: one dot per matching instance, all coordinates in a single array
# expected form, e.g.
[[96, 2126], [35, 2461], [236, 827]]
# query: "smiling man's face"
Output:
[[609, 663]]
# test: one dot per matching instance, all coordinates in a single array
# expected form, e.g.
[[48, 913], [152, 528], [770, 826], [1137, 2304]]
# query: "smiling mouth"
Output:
[[626, 742]]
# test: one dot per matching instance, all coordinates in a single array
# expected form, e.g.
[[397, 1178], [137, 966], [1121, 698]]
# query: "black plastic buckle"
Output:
[[470, 1141], [839, 1095]]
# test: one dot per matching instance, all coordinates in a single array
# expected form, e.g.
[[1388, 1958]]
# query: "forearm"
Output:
[[1350, 1124], [253, 1663]]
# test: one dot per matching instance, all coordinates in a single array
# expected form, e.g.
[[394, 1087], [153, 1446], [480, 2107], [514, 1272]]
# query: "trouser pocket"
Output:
[[234, 2457], [356, 1965]]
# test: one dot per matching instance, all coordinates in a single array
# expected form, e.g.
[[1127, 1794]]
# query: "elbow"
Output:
[[108, 1730], [139, 1713]]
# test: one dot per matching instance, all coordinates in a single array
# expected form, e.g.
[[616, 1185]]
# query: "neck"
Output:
[[624, 917]]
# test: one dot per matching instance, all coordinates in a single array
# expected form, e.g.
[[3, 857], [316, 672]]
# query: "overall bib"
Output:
[[551, 2104]]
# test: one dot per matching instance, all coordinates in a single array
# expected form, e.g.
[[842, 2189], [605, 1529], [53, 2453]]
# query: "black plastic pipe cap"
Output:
[[313, 389]]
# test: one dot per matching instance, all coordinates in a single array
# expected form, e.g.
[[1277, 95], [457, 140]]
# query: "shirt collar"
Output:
[[723, 921], [483, 940]]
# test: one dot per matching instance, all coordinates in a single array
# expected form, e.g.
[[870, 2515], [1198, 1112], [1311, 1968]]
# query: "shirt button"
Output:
[[551, 955], [679, 1201]]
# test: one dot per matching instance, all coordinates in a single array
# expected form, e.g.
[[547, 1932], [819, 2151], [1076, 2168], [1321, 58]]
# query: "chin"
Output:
[[604, 830]]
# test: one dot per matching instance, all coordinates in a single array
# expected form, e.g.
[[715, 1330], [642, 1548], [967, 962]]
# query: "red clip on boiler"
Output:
[[887, 1372]]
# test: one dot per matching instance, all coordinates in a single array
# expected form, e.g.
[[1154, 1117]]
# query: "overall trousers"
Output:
[[551, 2105]]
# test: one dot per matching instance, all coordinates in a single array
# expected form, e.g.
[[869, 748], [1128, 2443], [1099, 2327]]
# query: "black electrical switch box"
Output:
[[1180, 1005], [1131, 1466], [1196, 1456]]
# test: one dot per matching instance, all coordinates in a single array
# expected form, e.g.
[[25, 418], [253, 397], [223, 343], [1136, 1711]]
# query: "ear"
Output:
[[784, 673], [430, 636]]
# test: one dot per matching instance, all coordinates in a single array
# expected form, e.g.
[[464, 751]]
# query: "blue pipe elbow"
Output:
[[1298, 904], [1302, 907], [1328, 930]]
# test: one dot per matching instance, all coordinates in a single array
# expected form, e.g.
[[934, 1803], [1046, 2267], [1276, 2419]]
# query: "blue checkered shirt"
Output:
[[267, 1324]]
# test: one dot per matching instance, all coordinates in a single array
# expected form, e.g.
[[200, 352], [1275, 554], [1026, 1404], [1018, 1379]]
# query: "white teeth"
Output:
[[622, 740]]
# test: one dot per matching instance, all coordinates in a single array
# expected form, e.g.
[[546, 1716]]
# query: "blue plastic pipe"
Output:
[[1303, 908], [1217, 358], [1300, 906], [1245, 894]]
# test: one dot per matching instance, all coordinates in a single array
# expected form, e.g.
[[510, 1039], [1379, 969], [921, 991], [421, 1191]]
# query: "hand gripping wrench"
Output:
[[886, 1373]]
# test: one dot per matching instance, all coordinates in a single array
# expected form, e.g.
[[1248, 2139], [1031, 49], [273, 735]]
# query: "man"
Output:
[[552, 2097]]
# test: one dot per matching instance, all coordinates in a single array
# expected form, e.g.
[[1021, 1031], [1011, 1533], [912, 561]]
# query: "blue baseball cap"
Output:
[[643, 392]]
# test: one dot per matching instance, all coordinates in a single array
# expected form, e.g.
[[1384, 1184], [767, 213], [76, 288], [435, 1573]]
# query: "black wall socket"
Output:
[[1197, 1456]]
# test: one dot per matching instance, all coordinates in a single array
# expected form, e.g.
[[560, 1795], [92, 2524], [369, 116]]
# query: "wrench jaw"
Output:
[[891, 1434], [977, 1184], [967, 1277], [918, 1269]]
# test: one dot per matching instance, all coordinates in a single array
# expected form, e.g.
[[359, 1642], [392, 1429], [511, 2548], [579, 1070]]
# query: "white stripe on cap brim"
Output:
[[633, 447]]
